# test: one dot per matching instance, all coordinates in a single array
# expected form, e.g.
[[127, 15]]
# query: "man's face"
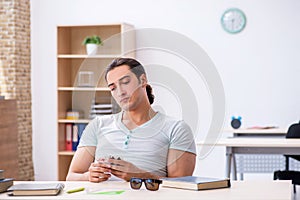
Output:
[[125, 88]]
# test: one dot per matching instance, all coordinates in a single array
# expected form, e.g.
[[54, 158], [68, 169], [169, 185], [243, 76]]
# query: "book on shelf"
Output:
[[68, 135], [102, 105], [36, 189], [72, 135], [196, 183], [101, 109], [94, 113], [81, 127], [75, 138]]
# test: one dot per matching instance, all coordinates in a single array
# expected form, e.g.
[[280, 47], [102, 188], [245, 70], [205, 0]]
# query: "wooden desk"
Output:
[[245, 162], [254, 190], [281, 132], [255, 145]]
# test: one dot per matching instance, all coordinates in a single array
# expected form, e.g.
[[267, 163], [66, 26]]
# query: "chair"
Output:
[[293, 132]]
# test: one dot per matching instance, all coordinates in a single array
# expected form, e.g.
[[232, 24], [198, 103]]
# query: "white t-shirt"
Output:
[[147, 145]]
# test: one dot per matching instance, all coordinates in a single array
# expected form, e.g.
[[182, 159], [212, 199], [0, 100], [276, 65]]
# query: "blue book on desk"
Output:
[[196, 183]]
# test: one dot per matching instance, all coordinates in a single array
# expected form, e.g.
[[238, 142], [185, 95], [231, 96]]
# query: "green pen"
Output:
[[75, 190]]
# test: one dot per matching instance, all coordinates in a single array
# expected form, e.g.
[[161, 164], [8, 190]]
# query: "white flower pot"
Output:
[[91, 49]]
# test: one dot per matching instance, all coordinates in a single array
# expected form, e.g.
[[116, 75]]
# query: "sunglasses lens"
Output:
[[152, 184], [136, 183]]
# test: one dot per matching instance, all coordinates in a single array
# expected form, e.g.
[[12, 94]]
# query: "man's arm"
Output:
[[79, 168], [127, 170], [180, 163]]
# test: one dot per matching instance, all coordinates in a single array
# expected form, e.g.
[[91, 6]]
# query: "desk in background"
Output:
[[254, 145], [251, 132], [258, 190], [260, 163]]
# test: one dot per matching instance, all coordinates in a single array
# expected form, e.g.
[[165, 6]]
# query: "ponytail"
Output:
[[149, 94]]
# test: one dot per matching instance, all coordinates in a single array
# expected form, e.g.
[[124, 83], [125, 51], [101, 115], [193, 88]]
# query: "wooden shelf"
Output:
[[105, 89], [87, 56], [76, 121], [72, 59], [66, 153]]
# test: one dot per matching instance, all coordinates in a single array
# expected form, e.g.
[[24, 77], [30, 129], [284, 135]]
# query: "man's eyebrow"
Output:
[[122, 78], [110, 84]]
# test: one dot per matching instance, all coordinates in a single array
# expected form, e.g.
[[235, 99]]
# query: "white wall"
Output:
[[259, 67]]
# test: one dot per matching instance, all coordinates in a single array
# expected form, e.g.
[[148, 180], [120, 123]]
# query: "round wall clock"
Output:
[[233, 20]]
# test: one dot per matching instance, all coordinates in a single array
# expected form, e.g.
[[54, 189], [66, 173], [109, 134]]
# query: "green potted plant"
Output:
[[92, 43]]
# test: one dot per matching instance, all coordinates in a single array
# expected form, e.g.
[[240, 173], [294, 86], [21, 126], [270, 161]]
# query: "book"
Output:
[[75, 138], [1, 174], [5, 183], [196, 183], [101, 111], [81, 127], [263, 127], [102, 106], [69, 130], [36, 189]]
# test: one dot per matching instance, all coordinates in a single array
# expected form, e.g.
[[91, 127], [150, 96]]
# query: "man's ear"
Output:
[[143, 80]]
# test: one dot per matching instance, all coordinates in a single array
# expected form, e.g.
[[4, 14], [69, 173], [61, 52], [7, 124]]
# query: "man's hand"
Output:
[[127, 170], [99, 171]]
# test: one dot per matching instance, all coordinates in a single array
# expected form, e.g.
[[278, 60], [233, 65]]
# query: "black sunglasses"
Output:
[[151, 184]]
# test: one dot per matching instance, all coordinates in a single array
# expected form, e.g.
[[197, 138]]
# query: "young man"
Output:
[[138, 141]]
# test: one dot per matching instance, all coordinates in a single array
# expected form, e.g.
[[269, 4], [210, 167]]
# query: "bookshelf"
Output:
[[118, 41]]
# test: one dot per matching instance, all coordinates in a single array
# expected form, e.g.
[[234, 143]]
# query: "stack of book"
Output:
[[5, 183], [100, 109]]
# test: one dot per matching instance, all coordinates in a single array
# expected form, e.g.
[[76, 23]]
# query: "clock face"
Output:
[[233, 20]]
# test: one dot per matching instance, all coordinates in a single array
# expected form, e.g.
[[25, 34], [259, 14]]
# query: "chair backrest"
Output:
[[294, 131]]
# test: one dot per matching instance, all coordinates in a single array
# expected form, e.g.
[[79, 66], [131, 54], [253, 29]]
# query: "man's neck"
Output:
[[135, 118]]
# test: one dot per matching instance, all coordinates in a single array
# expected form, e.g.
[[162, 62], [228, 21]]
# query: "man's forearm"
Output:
[[72, 176]]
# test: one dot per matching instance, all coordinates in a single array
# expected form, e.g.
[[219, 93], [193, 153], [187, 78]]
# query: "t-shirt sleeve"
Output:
[[182, 138], [89, 135]]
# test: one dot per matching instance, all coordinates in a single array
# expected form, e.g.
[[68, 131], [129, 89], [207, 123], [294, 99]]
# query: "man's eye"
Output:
[[112, 89], [125, 82]]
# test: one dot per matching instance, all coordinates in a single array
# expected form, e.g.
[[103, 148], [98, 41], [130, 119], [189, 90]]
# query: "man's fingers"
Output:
[[97, 177], [116, 162]]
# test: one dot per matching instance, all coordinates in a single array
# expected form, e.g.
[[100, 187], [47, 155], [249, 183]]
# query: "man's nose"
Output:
[[120, 91]]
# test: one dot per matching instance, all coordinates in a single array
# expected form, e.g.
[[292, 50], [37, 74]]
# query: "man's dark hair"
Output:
[[136, 68]]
